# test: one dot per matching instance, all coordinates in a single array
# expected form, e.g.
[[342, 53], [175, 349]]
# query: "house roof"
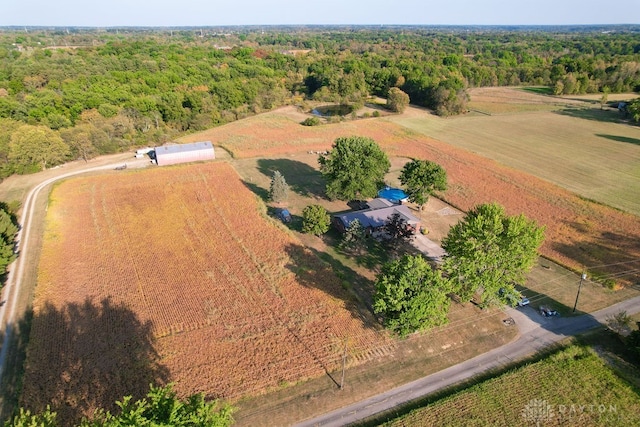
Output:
[[377, 217], [379, 203]]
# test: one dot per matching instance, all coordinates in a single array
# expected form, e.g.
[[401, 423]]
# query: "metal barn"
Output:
[[184, 153]]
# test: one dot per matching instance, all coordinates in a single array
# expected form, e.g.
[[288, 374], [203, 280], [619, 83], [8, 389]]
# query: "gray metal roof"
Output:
[[378, 217], [181, 148]]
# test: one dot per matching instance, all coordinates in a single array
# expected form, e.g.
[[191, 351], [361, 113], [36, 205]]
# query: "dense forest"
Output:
[[76, 93]]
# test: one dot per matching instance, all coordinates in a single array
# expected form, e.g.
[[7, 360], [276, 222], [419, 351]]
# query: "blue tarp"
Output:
[[394, 195]]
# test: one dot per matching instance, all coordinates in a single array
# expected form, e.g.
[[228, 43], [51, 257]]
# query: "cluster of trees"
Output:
[[161, 407], [488, 253], [115, 90]]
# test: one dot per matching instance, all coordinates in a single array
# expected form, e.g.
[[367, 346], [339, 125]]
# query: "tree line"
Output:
[[109, 91]]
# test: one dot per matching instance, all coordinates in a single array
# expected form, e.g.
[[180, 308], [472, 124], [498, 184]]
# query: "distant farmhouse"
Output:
[[375, 216], [183, 153]]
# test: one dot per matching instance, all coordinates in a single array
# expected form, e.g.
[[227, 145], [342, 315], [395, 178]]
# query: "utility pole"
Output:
[[582, 277], [344, 360]]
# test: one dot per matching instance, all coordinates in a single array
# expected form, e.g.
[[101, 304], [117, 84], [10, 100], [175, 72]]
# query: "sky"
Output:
[[170, 13]]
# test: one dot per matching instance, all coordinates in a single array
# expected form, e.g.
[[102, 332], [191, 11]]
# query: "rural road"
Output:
[[11, 290], [536, 333]]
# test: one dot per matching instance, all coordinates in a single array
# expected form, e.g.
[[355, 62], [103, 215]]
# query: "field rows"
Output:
[[230, 303]]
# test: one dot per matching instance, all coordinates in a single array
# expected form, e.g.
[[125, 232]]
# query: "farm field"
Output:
[[579, 233], [571, 143], [571, 387], [174, 275]]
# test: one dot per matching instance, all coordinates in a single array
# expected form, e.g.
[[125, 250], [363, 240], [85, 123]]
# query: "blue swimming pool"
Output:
[[394, 195]]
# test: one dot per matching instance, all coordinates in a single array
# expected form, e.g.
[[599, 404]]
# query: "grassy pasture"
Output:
[[571, 387], [568, 142]]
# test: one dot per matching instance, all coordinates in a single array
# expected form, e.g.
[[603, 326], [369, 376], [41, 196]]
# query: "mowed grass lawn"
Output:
[[573, 387], [581, 150]]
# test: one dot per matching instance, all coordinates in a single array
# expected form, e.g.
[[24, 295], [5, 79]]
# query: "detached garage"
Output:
[[184, 153]]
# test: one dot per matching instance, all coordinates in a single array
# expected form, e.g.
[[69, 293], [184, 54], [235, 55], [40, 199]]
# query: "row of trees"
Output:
[[488, 253], [118, 90]]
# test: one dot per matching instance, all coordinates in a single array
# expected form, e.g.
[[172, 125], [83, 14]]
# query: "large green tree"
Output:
[[354, 168], [489, 252], [421, 179], [397, 100], [411, 296], [161, 408], [37, 147], [634, 109]]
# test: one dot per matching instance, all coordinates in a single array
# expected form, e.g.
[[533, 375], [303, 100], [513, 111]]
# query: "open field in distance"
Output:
[[571, 143]]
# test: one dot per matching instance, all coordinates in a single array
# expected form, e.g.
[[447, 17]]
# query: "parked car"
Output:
[[284, 216], [514, 298], [548, 312]]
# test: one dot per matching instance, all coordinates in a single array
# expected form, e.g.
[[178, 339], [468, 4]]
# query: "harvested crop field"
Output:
[[579, 232], [175, 275]]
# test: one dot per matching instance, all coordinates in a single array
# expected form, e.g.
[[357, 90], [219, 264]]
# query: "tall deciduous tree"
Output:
[[354, 168], [411, 296], [279, 189], [397, 230], [37, 146], [421, 179], [489, 251], [315, 220], [397, 100]]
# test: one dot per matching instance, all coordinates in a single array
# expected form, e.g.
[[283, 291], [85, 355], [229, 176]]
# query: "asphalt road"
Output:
[[537, 333]]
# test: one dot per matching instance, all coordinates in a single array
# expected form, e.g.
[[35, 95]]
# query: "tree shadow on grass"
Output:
[[320, 270], [628, 140], [87, 356], [258, 191], [302, 178], [596, 114]]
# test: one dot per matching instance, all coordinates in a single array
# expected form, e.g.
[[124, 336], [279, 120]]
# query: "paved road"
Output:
[[537, 333], [11, 290]]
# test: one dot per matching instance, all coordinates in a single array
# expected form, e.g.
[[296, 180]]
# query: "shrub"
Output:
[[315, 220], [311, 121]]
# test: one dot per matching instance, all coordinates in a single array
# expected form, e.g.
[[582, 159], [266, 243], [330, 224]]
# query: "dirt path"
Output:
[[16, 290]]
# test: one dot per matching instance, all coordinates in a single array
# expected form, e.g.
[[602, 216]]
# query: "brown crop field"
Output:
[[175, 275], [579, 233]]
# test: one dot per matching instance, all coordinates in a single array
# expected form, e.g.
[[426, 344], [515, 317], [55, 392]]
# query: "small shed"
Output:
[[184, 153]]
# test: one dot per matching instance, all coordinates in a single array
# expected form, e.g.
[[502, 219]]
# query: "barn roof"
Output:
[[181, 148]]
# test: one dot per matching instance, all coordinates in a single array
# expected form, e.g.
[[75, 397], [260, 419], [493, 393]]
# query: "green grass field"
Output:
[[585, 150], [572, 387]]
